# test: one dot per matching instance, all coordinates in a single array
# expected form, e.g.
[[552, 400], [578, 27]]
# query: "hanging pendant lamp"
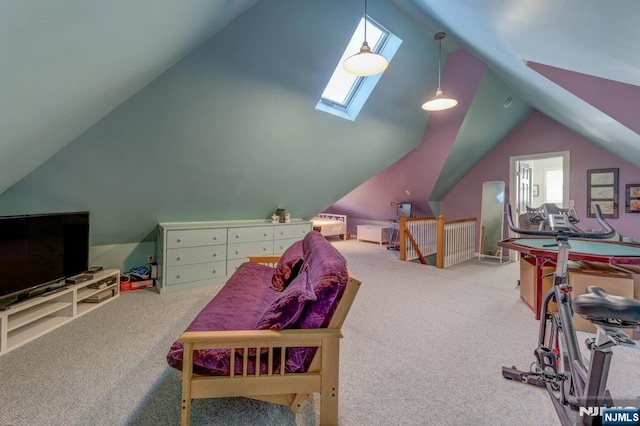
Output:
[[439, 102], [365, 63]]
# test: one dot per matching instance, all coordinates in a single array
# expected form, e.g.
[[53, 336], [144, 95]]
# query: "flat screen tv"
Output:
[[37, 251]]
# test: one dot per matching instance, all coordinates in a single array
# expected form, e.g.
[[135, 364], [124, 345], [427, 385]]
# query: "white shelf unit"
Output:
[[194, 254], [38, 315]]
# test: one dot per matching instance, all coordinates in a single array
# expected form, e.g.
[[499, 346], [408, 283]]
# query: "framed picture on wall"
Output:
[[633, 197], [536, 190], [602, 189]]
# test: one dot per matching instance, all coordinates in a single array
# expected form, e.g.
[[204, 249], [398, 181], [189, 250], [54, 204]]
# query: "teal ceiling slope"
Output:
[[231, 130], [66, 64], [486, 124]]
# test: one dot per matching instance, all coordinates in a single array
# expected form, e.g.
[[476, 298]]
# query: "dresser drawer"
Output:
[[196, 237], [250, 233], [244, 250], [193, 255], [285, 232], [233, 264], [279, 246], [200, 271]]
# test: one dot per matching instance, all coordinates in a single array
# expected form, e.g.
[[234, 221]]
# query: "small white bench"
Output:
[[380, 234]]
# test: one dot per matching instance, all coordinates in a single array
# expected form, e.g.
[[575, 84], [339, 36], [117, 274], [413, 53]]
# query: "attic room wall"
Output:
[[454, 141], [230, 132], [540, 134], [412, 178]]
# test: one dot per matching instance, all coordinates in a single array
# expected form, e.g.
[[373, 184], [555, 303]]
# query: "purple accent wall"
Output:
[[618, 100], [412, 177], [539, 134]]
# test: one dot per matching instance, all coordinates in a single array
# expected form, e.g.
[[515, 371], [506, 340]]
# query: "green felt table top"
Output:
[[583, 246]]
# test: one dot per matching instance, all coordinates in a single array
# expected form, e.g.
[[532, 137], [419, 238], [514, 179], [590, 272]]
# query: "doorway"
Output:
[[536, 179]]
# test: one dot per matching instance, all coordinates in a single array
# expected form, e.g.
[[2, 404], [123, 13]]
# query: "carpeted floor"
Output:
[[422, 346]]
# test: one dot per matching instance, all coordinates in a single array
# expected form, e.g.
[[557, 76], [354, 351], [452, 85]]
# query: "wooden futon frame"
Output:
[[290, 389]]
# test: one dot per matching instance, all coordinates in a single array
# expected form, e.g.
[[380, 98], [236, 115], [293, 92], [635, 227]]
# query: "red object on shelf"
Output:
[[136, 285]]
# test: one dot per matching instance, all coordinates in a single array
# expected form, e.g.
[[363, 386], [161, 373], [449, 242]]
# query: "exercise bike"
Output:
[[578, 392]]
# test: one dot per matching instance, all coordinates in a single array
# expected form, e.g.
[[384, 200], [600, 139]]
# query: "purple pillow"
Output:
[[286, 309], [288, 266]]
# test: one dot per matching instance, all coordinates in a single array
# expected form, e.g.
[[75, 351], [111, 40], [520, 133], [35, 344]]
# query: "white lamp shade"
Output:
[[439, 102], [365, 63]]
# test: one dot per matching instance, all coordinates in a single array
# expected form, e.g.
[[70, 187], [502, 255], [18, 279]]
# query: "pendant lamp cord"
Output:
[[439, 57], [365, 21]]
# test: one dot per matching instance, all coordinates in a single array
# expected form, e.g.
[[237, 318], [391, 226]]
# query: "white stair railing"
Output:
[[452, 242], [459, 241], [423, 230]]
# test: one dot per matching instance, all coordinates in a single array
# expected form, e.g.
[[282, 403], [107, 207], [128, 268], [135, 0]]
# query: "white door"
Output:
[[524, 181]]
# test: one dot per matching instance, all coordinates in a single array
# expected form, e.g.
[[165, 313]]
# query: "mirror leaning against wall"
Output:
[[492, 221]]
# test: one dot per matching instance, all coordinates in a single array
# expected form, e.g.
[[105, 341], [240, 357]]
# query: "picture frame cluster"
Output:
[[632, 193], [602, 189]]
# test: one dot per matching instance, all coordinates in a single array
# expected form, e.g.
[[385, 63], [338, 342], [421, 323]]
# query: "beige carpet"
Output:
[[422, 346]]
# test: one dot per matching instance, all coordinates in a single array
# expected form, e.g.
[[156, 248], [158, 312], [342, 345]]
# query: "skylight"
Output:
[[345, 94]]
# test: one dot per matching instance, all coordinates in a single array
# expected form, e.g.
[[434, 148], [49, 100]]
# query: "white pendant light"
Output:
[[439, 102], [365, 63]]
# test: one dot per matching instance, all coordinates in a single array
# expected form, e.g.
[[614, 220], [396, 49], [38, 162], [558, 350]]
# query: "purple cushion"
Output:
[[215, 362], [288, 266], [285, 311], [328, 274], [248, 299], [237, 306]]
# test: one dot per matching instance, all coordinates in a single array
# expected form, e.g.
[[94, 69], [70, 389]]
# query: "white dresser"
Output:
[[193, 254]]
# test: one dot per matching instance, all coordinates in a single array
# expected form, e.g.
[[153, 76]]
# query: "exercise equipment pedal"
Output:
[[527, 377]]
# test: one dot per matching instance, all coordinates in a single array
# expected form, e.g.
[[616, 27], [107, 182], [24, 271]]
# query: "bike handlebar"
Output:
[[609, 231]]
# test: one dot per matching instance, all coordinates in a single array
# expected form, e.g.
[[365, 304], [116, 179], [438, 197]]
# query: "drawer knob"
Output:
[[177, 277], [236, 251], [264, 249], [237, 236], [213, 272], [215, 254], [178, 240], [265, 234], [177, 258], [215, 238]]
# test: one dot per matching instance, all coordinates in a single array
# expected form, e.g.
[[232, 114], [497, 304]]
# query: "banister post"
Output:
[[403, 237], [440, 242]]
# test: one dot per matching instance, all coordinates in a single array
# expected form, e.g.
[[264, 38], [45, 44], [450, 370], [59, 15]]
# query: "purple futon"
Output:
[[271, 333]]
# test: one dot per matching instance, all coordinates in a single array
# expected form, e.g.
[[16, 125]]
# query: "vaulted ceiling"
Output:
[[538, 48], [64, 65]]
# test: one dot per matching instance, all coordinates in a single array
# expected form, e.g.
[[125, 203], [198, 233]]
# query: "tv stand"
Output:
[[33, 317], [52, 291], [19, 299]]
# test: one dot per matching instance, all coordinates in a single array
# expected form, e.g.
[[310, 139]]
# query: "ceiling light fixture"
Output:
[[439, 102], [365, 63]]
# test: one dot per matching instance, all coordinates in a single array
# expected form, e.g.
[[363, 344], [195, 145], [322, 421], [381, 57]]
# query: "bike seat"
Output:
[[597, 305]]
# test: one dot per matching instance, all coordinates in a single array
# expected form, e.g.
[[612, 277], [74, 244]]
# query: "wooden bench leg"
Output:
[[187, 370], [329, 388]]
